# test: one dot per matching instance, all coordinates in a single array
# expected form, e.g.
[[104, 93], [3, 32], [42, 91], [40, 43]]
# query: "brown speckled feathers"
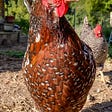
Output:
[[59, 68]]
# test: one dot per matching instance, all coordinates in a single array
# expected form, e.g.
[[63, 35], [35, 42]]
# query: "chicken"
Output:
[[59, 69], [97, 42]]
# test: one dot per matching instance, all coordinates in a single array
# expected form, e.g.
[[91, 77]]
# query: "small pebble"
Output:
[[98, 90]]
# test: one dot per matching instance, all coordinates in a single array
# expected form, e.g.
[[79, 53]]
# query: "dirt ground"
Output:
[[14, 96]]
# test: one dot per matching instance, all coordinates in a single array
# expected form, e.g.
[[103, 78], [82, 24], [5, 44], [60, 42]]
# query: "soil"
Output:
[[14, 96]]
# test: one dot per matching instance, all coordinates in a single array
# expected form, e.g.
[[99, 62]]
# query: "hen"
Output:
[[97, 42], [59, 69]]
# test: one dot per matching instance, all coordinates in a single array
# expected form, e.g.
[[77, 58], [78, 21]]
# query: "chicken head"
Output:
[[59, 7]]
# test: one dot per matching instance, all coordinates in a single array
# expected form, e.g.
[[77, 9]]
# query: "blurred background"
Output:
[[14, 16]]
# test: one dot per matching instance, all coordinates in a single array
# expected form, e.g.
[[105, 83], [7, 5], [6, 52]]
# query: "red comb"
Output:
[[98, 30], [61, 8]]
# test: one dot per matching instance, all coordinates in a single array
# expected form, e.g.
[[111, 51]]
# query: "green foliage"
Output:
[[18, 9], [110, 51], [24, 24], [76, 13], [98, 10], [106, 30]]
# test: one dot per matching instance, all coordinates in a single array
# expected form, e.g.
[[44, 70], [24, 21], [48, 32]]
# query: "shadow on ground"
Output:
[[100, 107], [10, 59]]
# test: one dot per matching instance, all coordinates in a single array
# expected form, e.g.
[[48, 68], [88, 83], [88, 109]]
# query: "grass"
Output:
[[12, 53]]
